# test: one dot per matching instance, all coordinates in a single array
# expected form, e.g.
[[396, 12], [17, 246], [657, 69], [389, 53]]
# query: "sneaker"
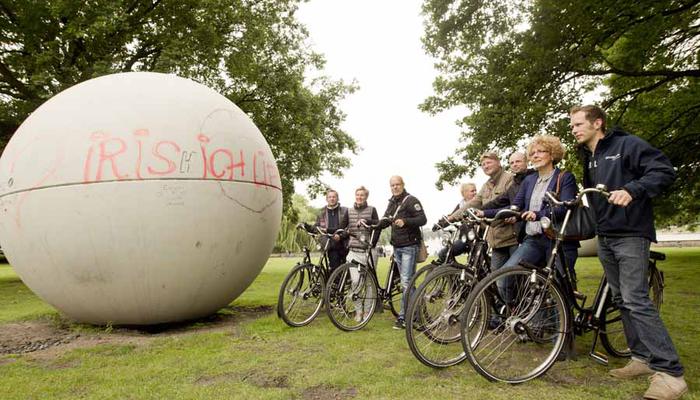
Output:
[[358, 316], [634, 368], [666, 387], [399, 324]]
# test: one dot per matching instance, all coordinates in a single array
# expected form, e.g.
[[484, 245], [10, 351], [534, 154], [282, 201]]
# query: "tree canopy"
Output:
[[519, 65], [254, 52]]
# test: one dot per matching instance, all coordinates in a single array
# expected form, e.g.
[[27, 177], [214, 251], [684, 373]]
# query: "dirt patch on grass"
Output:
[[4, 361], [214, 379], [256, 378], [27, 337], [323, 392], [47, 339]]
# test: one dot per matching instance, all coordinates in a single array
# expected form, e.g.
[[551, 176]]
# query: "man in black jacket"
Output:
[[333, 218], [406, 216], [634, 173]]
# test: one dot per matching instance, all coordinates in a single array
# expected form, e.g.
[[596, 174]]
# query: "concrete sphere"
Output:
[[138, 198]]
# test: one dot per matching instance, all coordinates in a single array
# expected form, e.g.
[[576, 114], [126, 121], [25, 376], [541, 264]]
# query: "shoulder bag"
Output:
[[582, 222]]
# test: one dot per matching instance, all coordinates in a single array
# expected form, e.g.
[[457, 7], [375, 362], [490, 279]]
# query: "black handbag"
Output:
[[582, 221]]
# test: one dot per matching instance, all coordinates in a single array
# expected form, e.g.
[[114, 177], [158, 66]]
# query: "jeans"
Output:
[[536, 250], [405, 258], [626, 264], [498, 259], [501, 255]]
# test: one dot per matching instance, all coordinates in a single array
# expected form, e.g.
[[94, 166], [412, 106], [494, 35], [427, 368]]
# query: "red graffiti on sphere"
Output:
[[140, 156]]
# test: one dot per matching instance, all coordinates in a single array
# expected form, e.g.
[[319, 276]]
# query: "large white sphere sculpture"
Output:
[[138, 198]]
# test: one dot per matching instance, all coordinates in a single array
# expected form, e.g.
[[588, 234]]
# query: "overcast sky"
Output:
[[377, 43]]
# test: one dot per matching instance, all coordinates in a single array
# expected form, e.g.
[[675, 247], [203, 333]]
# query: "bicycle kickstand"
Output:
[[596, 355]]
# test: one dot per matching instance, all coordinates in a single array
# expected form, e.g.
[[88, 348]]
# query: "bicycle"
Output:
[[301, 295], [423, 272], [537, 321], [432, 318], [353, 292]]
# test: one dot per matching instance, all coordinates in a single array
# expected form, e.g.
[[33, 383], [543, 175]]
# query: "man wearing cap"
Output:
[[503, 237]]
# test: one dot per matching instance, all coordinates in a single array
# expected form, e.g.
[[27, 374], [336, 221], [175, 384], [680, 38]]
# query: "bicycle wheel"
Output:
[[521, 339], [612, 334], [432, 317], [301, 295], [395, 294], [421, 274], [351, 296]]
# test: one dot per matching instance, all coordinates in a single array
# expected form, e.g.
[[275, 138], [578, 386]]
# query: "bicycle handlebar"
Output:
[[319, 231], [600, 189], [373, 226], [501, 214]]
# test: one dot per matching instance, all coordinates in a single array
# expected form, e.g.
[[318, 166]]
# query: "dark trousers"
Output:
[[458, 247], [336, 257], [626, 263]]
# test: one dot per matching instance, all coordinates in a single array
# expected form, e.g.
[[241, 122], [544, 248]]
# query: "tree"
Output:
[[290, 238], [251, 51], [520, 65]]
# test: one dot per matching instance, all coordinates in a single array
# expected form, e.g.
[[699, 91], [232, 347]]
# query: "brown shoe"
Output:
[[666, 387], [634, 368]]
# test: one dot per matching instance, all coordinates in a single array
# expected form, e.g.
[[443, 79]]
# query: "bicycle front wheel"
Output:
[[301, 295], [514, 325], [351, 296], [432, 317]]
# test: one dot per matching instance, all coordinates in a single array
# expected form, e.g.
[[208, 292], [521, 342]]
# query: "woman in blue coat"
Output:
[[544, 153]]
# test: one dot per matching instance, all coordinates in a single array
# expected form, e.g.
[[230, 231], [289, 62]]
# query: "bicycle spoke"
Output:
[[522, 338], [300, 297]]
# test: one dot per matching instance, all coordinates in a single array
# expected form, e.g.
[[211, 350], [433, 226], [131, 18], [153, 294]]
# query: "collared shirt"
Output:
[[535, 227]]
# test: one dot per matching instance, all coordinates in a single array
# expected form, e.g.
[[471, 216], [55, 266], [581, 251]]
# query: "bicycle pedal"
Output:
[[599, 357], [579, 296]]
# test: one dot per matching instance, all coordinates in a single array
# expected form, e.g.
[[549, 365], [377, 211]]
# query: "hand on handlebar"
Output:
[[442, 222], [399, 222], [300, 225], [528, 216], [620, 198]]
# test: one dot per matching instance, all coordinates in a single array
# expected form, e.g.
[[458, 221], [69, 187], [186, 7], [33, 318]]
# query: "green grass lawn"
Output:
[[263, 358]]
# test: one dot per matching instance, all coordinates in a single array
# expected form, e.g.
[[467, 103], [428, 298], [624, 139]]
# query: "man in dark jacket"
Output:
[[634, 173], [406, 216], [333, 218]]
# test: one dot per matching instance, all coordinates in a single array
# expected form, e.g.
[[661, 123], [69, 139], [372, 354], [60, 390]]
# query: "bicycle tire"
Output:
[[432, 317], [346, 300], [395, 295], [421, 274], [301, 295], [532, 333], [612, 335]]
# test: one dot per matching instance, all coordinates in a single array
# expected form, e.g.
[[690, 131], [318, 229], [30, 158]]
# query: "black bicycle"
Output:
[[301, 294], [432, 318], [537, 319], [353, 293]]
